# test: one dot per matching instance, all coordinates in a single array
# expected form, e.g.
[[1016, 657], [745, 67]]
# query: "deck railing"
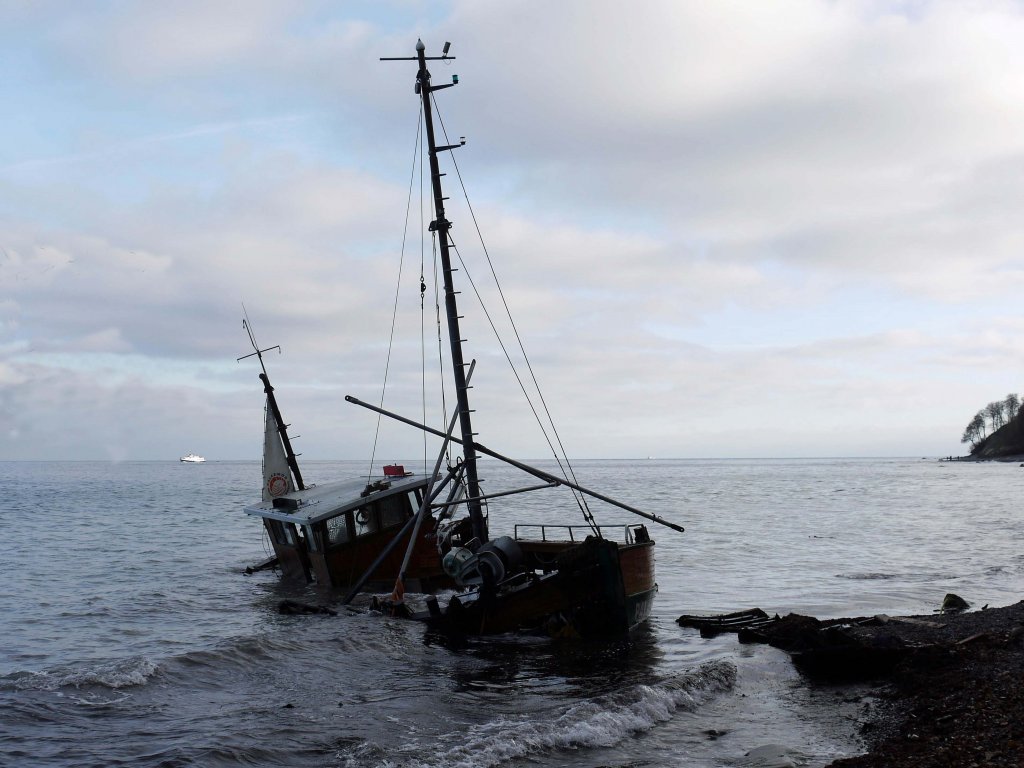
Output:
[[574, 533]]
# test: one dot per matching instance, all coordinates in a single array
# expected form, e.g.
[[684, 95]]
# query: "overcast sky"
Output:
[[725, 229]]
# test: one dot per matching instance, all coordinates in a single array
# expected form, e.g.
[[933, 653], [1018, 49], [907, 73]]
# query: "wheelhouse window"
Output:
[[338, 530], [394, 510], [367, 519], [384, 513], [291, 534], [284, 533]]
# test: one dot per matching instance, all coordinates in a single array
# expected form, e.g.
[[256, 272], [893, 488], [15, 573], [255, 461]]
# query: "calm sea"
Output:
[[130, 636]]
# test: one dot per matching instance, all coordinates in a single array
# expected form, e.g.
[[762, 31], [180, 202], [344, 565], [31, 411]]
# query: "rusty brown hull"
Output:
[[594, 589], [341, 565]]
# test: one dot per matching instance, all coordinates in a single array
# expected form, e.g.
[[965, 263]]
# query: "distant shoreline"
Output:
[[1005, 459]]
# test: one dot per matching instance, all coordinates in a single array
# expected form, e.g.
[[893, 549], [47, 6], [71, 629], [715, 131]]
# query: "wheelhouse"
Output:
[[331, 533]]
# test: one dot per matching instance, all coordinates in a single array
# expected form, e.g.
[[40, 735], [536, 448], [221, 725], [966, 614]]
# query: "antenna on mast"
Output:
[[247, 324]]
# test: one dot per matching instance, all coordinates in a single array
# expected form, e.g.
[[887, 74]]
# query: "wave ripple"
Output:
[[600, 722], [122, 673]]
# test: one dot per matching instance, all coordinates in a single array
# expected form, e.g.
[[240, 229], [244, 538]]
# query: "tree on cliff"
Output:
[[1011, 405], [997, 430], [994, 411], [975, 431], [991, 418]]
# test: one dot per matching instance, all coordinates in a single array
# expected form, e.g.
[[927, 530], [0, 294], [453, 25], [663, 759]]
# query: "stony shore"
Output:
[[957, 699], [950, 686]]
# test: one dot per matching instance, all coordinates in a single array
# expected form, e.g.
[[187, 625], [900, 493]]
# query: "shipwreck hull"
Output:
[[342, 566], [595, 589]]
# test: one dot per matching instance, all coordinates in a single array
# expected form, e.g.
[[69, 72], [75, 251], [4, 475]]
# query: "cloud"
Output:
[[722, 229], [51, 412], [144, 41], [826, 133]]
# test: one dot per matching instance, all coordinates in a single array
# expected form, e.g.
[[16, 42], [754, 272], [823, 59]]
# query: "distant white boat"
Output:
[[191, 458]]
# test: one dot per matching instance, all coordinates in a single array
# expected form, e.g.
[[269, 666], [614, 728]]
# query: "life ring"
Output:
[[362, 517], [277, 485]]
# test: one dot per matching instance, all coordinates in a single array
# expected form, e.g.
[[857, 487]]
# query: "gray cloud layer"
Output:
[[724, 229]]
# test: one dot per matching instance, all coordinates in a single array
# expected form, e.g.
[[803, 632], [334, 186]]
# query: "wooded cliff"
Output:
[[1006, 441]]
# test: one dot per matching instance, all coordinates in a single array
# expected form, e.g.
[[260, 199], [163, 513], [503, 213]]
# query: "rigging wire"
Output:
[[440, 337], [394, 313], [423, 328], [581, 501], [580, 498]]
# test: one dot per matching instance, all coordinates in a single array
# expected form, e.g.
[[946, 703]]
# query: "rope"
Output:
[[394, 312], [581, 501], [440, 338], [423, 329]]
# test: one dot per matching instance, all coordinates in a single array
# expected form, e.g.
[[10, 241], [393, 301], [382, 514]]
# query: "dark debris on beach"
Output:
[[950, 686], [956, 698]]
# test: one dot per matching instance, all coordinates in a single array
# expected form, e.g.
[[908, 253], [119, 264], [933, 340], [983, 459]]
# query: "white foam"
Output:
[[123, 673], [600, 722], [95, 700], [775, 756]]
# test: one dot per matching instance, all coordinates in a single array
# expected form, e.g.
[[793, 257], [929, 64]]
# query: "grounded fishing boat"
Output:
[[544, 578], [191, 458]]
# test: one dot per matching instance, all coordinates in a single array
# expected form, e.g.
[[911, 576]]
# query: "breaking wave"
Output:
[[123, 673], [600, 722]]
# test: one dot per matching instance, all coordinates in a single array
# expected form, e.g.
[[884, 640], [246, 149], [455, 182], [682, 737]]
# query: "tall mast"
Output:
[[441, 225]]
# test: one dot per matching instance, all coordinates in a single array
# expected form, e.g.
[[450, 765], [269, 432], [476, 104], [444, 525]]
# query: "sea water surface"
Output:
[[130, 636]]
